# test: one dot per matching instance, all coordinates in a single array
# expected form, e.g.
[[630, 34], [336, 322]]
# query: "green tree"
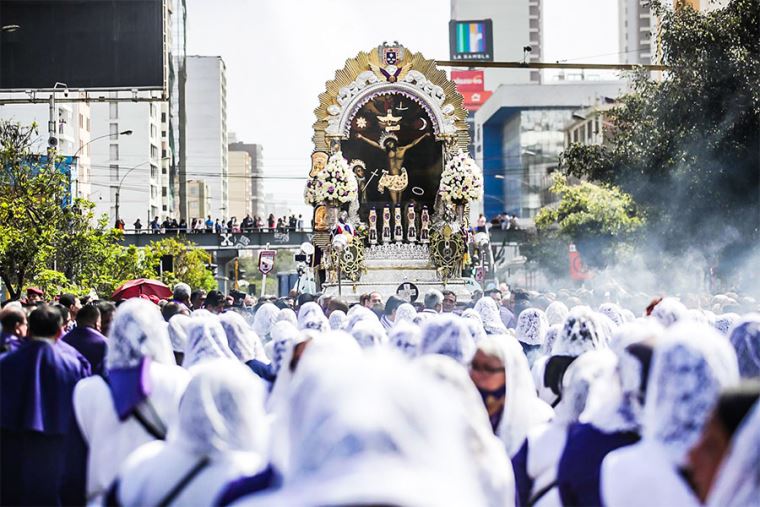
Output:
[[189, 263], [31, 194], [687, 147], [597, 218]]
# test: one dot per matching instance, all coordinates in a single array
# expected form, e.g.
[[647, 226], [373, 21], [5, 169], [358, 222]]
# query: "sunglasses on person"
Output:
[[484, 368]]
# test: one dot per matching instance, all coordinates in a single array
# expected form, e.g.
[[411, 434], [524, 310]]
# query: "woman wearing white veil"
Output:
[[220, 436], [612, 415], [206, 340], [369, 333], [245, 344], [556, 313], [690, 366], [311, 316], [406, 313], [288, 315], [494, 468], [137, 400], [338, 320], [501, 375], [530, 331], [177, 327], [360, 436], [535, 464], [489, 313], [263, 320], [406, 338], [447, 335]]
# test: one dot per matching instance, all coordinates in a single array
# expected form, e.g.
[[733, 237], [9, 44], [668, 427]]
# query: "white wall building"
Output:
[[129, 166], [516, 24], [206, 129]]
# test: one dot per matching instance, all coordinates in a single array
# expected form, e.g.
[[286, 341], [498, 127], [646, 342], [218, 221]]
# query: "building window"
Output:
[[152, 110], [163, 191], [114, 131], [153, 131], [114, 172], [81, 121], [113, 110], [114, 152], [163, 117], [153, 151], [153, 172]]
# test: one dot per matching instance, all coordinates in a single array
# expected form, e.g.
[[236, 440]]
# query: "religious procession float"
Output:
[[390, 179]]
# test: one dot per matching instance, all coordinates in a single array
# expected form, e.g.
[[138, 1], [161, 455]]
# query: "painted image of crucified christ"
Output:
[[394, 178]]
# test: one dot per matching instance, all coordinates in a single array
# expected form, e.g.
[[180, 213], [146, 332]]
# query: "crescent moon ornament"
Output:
[[424, 124]]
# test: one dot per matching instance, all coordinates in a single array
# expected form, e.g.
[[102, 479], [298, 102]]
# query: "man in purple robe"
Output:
[[42, 454], [86, 338]]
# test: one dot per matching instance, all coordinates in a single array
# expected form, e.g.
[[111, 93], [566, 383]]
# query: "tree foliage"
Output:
[[595, 217], [60, 247], [687, 147]]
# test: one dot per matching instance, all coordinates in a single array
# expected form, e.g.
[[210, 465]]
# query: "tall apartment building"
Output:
[[240, 184], [128, 168], [516, 24], [197, 200], [255, 151], [206, 129]]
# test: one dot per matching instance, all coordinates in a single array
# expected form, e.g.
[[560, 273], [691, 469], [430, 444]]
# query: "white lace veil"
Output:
[[531, 326], [337, 320], [613, 312], [206, 340], [177, 327], [556, 313], [263, 320], [222, 410], [690, 366], [138, 330], [287, 314], [745, 338], [447, 335], [580, 333], [489, 313], [406, 338], [369, 333], [311, 316], [243, 342], [724, 323], [586, 373], [669, 311]]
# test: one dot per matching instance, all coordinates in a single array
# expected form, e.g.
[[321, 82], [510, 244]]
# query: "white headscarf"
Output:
[[583, 375], [360, 436], [338, 320], [494, 467], [369, 333], [406, 338], [288, 315], [446, 334], [724, 323], [745, 338], [263, 320], [669, 311], [738, 481], [523, 409], [556, 313], [358, 313], [617, 404], [311, 316], [474, 325], [283, 335], [531, 326], [222, 410], [580, 333], [243, 342], [177, 327], [138, 330], [690, 366], [550, 338], [613, 311], [489, 312], [405, 312], [206, 340]]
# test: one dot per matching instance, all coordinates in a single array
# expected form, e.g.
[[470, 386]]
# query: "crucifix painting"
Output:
[[393, 136]]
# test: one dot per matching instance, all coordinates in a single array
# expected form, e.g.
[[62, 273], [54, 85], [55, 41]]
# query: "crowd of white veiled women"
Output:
[[437, 410]]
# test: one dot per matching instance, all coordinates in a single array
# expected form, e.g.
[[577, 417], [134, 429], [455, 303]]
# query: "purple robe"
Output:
[[91, 344], [42, 452]]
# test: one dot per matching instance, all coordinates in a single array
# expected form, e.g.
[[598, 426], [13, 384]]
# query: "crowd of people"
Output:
[[513, 398], [217, 226]]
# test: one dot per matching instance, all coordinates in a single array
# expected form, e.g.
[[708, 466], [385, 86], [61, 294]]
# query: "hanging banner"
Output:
[[578, 270]]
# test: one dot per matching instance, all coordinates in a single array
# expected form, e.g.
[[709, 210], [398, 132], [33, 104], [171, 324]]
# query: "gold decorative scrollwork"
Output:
[[447, 250], [351, 261]]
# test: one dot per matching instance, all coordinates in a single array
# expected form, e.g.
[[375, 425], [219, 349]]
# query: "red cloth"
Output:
[[142, 286]]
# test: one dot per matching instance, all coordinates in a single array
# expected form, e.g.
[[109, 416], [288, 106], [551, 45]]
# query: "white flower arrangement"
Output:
[[333, 184], [460, 180]]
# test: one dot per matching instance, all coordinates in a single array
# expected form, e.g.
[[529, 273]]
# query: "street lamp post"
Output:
[[123, 133], [118, 188]]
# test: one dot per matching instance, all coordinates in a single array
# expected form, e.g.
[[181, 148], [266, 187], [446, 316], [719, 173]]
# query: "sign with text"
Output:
[[471, 40], [266, 261], [468, 80], [473, 100]]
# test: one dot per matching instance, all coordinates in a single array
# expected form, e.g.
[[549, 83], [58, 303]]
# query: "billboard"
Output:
[[468, 80], [473, 100], [82, 43], [471, 40]]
